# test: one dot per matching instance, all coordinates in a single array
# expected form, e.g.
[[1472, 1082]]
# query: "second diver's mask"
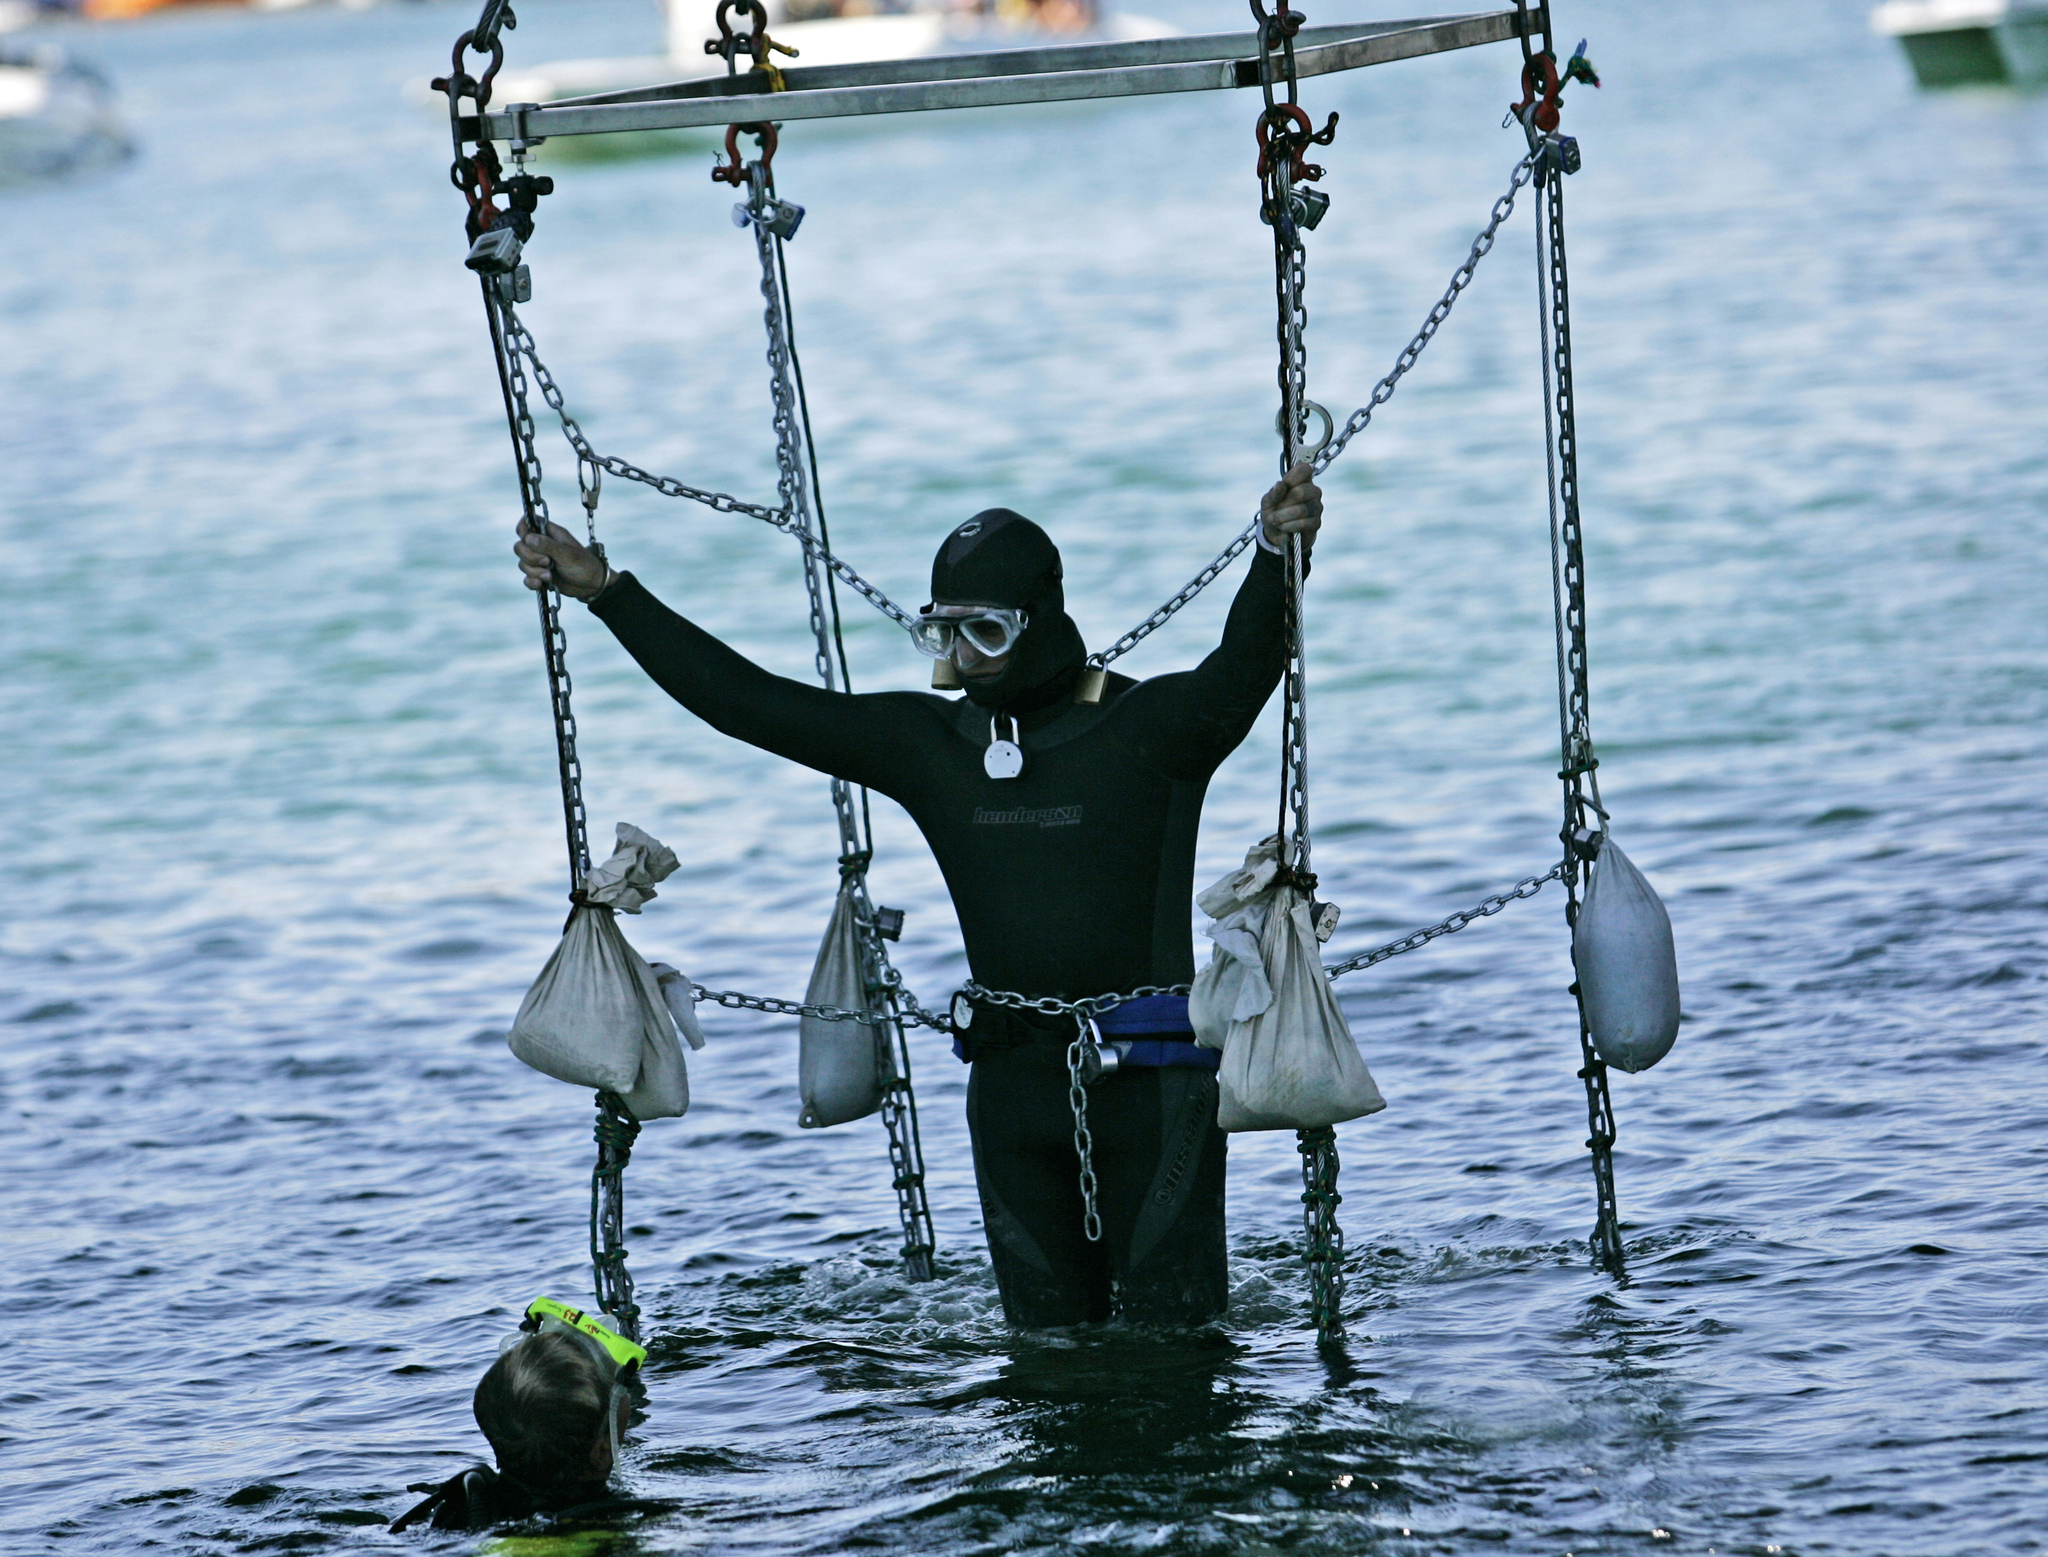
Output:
[[544, 1314]]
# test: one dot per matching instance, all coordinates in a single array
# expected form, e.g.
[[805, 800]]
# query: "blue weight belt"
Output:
[[1158, 1032]]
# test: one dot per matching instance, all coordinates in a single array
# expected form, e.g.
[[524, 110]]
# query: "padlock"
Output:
[[1101, 1059], [495, 253], [1559, 151], [1305, 206], [889, 923], [1324, 917], [516, 287], [781, 217]]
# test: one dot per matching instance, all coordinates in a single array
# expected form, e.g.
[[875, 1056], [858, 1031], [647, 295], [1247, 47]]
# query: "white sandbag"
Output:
[[1289, 1061], [1627, 965], [594, 1006], [1295, 1065], [1233, 987], [596, 1016], [837, 1067]]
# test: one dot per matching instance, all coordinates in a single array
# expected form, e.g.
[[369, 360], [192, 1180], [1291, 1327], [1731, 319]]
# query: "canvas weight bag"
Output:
[[596, 1016], [838, 1063], [1627, 965], [1289, 1060]]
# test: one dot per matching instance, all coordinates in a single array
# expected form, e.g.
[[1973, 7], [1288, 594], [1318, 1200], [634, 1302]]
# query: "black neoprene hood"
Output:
[[998, 558]]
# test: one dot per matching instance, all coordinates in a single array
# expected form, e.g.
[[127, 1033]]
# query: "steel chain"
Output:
[[523, 344], [1415, 939], [796, 468], [616, 1131], [1290, 280], [1460, 279], [1568, 572], [720, 502], [1355, 424], [668, 486], [1052, 1005], [1319, 1202], [916, 1012], [1188, 591], [1084, 1139], [526, 456], [1325, 1241]]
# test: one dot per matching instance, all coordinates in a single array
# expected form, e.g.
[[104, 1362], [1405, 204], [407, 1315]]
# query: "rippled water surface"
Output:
[[283, 844]]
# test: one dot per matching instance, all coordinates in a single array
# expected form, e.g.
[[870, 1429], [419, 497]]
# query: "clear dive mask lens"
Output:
[[989, 631]]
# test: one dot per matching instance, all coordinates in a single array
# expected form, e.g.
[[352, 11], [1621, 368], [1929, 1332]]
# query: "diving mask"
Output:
[[544, 1314], [990, 631]]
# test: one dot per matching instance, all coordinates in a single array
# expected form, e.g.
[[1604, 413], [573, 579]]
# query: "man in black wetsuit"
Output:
[[1072, 876]]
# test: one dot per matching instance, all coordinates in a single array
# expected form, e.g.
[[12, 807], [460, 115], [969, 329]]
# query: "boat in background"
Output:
[[831, 32], [1969, 42], [57, 116]]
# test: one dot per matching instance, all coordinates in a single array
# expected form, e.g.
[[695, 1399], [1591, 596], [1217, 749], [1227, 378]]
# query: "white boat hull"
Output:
[[56, 118], [1965, 42]]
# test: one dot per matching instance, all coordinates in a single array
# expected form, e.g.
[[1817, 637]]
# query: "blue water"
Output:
[[284, 851]]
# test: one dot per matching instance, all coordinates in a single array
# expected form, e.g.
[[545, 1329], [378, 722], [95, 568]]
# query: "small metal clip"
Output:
[[522, 144]]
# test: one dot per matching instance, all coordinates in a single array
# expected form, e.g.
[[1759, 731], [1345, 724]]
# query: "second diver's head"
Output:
[[554, 1406], [1001, 565]]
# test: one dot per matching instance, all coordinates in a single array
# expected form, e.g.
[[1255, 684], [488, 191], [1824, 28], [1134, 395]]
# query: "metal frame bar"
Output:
[[1050, 75]]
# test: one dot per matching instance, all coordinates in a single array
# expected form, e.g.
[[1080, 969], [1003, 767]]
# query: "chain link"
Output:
[[616, 1131], [1052, 1005], [1319, 1202], [1084, 1139], [1415, 939], [555, 643], [1460, 279], [1188, 591]]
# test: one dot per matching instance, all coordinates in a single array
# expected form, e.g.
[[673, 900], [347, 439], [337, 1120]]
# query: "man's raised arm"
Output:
[[1207, 712], [861, 739]]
